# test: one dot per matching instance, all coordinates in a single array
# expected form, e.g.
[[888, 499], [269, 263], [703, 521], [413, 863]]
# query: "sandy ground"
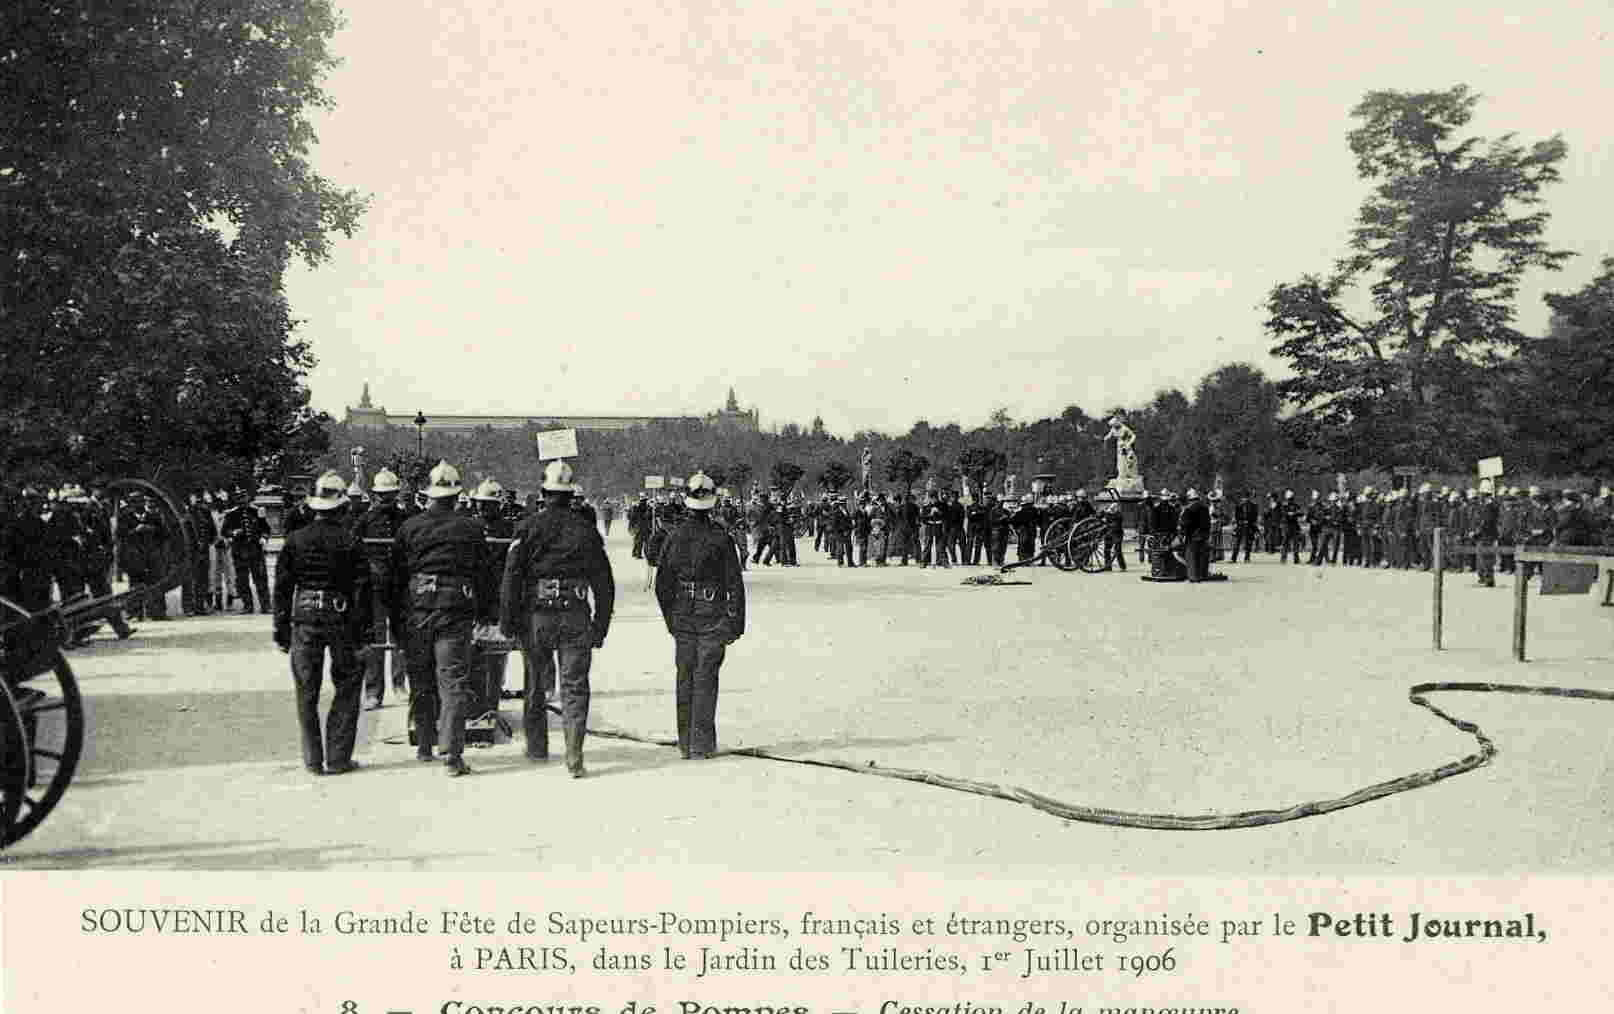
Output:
[[1282, 685]]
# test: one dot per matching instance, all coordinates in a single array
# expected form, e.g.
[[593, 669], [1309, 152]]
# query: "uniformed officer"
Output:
[[1114, 532], [247, 532], [555, 563], [321, 586], [1025, 522], [142, 533], [1246, 519], [702, 596], [1195, 526], [381, 521], [1289, 515], [443, 588]]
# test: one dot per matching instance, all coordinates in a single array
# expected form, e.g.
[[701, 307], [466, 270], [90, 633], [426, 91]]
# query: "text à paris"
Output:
[[1419, 926]]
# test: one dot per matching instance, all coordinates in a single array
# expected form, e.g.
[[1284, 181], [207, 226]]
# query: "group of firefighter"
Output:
[[453, 590], [1481, 526], [68, 544], [935, 529]]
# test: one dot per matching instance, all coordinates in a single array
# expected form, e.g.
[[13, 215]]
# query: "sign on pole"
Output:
[[554, 444], [675, 481], [1490, 468], [654, 482]]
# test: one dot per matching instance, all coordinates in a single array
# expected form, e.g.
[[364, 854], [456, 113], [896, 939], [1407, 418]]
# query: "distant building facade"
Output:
[[367, 415]]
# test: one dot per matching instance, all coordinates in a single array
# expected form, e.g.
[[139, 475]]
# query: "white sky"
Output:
[[879, 210]]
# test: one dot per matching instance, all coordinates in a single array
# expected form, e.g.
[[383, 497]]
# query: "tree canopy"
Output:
[[1441, 242], [154, 187]]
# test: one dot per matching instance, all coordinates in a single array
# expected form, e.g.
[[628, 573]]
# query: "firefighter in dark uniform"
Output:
[[639, 524], [440, 560], [193, 592], [143, 533], [1195, 527], [1114, 532], [28, 564], [381, 521], [1289, 514], [784, 535], [246, 532], [1025, 522], [702, 597], [1485, 520], [555, 563], [1246, 518], [321, 587], [95, 558]]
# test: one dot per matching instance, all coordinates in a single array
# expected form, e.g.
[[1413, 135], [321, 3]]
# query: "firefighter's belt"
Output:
[[559, 592], [321, 599], [440, 582], [701, 592]]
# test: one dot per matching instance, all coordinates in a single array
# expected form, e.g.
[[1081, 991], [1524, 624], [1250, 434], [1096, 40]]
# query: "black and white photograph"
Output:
[[1049, 441]]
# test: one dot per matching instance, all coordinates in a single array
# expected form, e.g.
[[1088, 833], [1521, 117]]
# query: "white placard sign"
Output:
[[554, 444], [654, 482], [1490, 468]]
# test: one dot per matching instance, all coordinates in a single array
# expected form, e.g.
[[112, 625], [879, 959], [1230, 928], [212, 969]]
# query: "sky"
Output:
[[879, 211]]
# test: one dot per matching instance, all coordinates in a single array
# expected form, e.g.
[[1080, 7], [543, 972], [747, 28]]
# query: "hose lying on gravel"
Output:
[[1199, 822]]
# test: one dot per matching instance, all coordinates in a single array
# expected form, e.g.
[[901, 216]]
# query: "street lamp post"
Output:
[[420, 435]]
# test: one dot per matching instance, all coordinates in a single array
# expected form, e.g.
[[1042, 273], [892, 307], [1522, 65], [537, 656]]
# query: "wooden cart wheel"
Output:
[[14, 767], [1090, 555], [1056, 544], [46, 698]]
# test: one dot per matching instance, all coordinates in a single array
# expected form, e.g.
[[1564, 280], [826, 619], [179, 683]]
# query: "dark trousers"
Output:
[[1196, 554], [785, 541], [1291, 544], [978, 547], [860, 543], [638, 543], [309, 643], [698, 658], [1114, 551], [934, 548], [193, 590], [557, 641], [439, 686], [100, 586], [902, 543], [1245, 540], [252, 573], [149, 600], [1000, 546]]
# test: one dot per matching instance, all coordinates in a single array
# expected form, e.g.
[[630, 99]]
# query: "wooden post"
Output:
[[1438, 567], [1521, 605]]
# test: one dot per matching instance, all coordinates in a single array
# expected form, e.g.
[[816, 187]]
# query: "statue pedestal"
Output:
[[1129, 488]]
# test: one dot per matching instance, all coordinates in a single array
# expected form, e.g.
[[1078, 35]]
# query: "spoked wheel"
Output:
[[15, 770], [1056, 543], [50, 711], [1089, 555]]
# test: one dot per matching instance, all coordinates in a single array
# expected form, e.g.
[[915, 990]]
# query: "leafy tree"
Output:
[[155, 182], [739, 474], [906, 467], [1561, 398], [834, 477], [785, 474], [1441, 244], [946, 476], [982, 466], [1233, 428]]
